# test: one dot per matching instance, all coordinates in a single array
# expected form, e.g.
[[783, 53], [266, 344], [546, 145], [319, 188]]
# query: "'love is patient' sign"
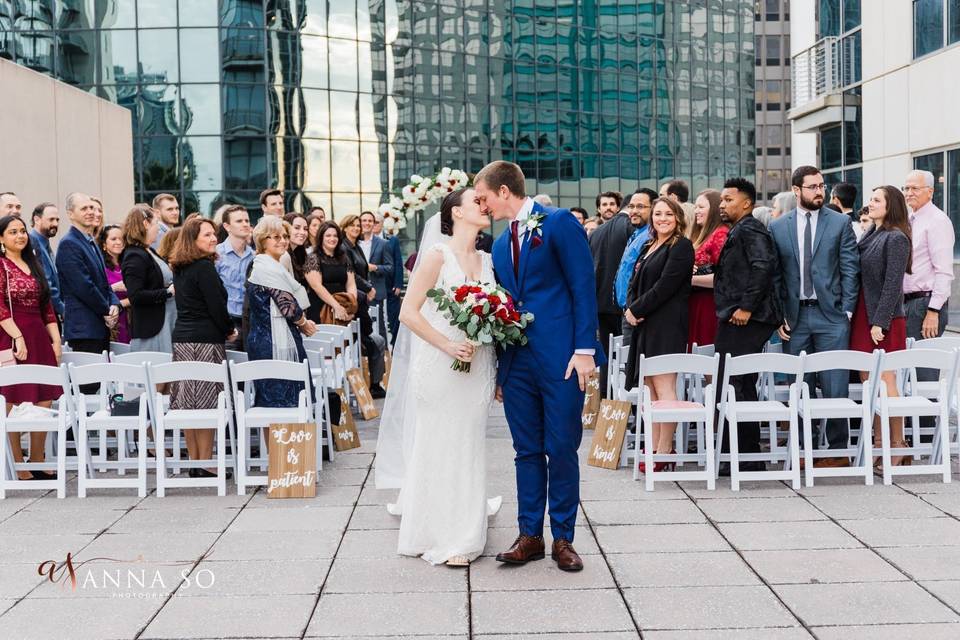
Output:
[[591, 401], [292, 470]]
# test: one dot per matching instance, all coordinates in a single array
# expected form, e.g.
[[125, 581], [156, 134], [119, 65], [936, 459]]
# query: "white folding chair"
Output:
[[917, 404], [143, 358], [113, 377], [912, 385], [119, 347], [815, 408], [103, 442], [613, 364], [46, 420], [683, 410], [736, 411], [321, 371], [181, 419], [254, 418]]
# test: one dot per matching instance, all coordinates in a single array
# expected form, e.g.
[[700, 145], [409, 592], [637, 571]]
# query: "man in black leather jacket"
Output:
[[748, 310]]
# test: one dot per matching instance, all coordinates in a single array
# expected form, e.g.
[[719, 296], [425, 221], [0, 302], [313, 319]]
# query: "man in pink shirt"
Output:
[[926, 289]]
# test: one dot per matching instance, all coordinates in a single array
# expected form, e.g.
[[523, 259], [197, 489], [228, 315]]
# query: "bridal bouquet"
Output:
[[485, 312]]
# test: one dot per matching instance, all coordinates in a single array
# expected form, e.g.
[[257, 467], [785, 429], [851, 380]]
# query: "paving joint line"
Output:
[[743, 559], [616, 582], [333, 559]]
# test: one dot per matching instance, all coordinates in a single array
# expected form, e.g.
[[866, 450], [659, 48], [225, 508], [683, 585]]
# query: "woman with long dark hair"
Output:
[[331, 284], [203, 325], [709, 235], [878, 321], [295, 259], [111, 243], [29, 328]]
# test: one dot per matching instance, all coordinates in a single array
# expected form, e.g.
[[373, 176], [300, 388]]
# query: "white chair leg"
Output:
[[885, 443], [83, 454], [142, 445], [807, 449], [221, 458], [648, 451], [6, 459], [734, 453], [794, 439], [61, 460], [176, 450], [943, 428], [241, 472]]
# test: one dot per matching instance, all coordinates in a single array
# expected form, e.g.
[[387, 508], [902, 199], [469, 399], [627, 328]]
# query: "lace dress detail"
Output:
[[443, 501]]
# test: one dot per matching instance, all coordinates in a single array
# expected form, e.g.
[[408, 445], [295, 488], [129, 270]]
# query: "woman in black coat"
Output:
[[657, 308], [148, 280]]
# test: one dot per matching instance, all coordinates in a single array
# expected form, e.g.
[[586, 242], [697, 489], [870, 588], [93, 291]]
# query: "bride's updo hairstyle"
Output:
[[453, 199]]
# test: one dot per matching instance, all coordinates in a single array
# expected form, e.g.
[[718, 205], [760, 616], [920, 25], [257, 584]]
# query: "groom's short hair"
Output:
[[500, 173]]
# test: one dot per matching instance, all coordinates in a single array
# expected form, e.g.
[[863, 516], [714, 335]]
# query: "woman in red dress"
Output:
[[878, 321], [29, 327], [708, 236]]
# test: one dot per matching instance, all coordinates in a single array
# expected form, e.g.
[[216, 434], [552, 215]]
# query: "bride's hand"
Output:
[[461, 351]]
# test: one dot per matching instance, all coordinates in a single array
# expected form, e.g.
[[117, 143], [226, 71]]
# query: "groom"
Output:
[[543, 260]]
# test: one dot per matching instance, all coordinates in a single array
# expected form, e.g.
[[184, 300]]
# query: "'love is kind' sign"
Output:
[[292, 470], [608, 437]]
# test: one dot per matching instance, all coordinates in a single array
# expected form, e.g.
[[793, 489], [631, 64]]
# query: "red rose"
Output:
[[478, 310], [503, 315], [494, 300], [514, 316], [536, 242], [475, 289], [461, 294]]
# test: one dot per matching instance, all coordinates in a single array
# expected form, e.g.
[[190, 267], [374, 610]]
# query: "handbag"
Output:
[[7, 359], [121, 407], [347, 301]]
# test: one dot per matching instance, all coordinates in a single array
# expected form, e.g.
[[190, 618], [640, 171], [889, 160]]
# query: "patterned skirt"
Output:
[[194, 394]]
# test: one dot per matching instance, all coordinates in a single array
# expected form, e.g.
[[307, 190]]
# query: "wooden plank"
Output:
[[608, 437], [591, 401], [292, 471], [362, 392], [345, 435]]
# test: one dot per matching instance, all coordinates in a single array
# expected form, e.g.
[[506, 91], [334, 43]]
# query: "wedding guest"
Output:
[[764, 215], [591, 225], [608, 205], [707, 246], [295, 259], [543, 199], [314, 221], [319, 212], [817, 280], [926, 290], [580, 214], [235, 257], [332, 283], [376, 250], [395, 285], [98, 210], [91, 308], [372, 345], [29, 329], [639, 207], [168, 208], [783, 202], [46, 223], [606, 247], [149, 280], [879, 321], [165, 246], [111, 245], [10, 204], [678, 191], [657, 309], [271, 202], [748, 310], [203, 325], [843, 196], [276, 317]]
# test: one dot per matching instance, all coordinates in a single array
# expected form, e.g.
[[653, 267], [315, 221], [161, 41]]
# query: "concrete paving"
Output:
[[838, 560]]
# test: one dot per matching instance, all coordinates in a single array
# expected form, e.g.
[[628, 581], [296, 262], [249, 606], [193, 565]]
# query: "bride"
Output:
[[432, 441]]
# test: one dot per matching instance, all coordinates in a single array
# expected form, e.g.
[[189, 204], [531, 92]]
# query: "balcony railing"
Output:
[[829, 66]]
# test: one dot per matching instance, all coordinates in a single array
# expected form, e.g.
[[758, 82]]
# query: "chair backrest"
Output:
[[82, 358], [237, 356], [104, 373], [188, 370], [269, 370], [943, 343], [141, 357], [841, 360], [35, 374], [119, 347], [945, 361], [703, 350], [679, 363], [761, 363], [773, 347]]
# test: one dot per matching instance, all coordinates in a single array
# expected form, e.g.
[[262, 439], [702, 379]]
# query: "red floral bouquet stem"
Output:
[[486, 313]]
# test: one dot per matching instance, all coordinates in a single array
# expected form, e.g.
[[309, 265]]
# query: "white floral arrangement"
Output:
[[417, 195]]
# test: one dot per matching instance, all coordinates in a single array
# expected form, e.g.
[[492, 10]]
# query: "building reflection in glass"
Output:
[[338, 101]]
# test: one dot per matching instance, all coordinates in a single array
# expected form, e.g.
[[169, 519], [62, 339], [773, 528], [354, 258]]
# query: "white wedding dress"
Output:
[[443, 502]]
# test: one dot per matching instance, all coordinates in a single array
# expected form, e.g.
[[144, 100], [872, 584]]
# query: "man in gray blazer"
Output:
[[818, 283]]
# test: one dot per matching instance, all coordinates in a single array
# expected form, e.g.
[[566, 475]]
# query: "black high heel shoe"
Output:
[[42, 475]]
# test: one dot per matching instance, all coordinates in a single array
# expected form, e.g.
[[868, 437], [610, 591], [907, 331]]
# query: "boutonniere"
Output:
[[533, 226]]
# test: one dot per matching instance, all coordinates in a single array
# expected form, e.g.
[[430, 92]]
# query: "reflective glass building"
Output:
[[339, 101]]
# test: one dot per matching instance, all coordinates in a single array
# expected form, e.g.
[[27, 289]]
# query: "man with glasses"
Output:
[[606, 246], [817, 280], [926, 288], [638, 208]]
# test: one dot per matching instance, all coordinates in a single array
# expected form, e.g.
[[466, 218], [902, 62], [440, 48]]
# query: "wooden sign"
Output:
[[367, 408], [365, 367], [608, 437], [292, 470], [387, 363], [345, 435], [591, 401]]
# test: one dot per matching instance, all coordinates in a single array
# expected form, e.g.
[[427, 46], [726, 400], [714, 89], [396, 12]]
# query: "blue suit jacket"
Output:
[[382, 278], [83, 284], [41, 246], [835, 266], [556, 283], [397, 255]]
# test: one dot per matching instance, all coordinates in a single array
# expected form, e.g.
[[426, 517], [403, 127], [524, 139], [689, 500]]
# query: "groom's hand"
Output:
[[498, 394], [584, 366]]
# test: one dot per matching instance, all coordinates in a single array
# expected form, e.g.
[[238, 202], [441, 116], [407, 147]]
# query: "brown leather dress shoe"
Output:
[[567, 559], [524, 549]]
